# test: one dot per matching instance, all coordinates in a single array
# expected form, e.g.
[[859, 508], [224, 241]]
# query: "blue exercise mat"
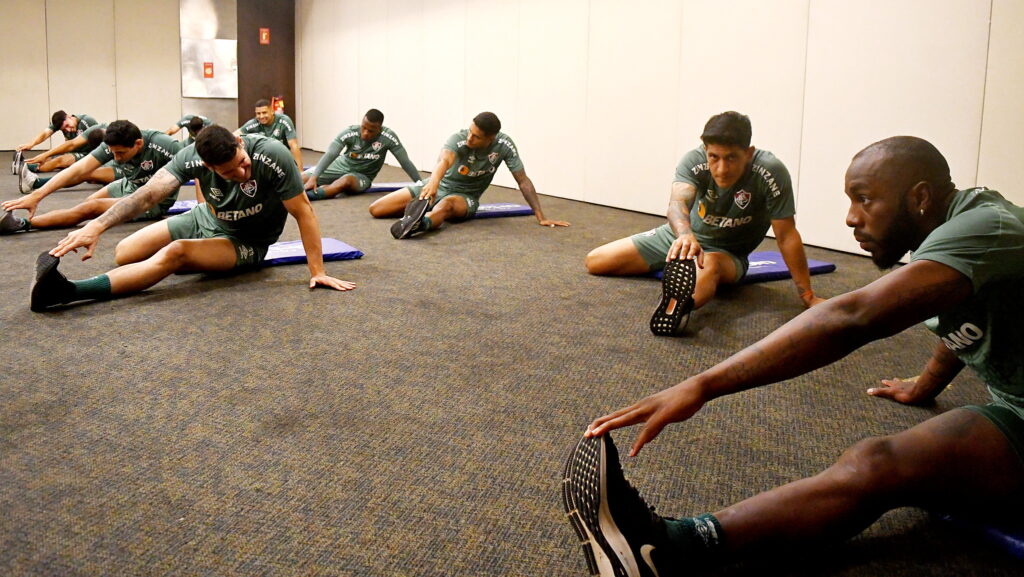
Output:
[[1011, 541], [292, 252], [389, 186], [181, 206], [769, 265], [499, 209]]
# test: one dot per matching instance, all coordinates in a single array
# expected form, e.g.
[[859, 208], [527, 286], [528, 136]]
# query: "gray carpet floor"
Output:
[[416, 426]]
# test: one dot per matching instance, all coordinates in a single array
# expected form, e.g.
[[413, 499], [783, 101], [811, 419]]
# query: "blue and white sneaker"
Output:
[[26, 178], [620, 534]]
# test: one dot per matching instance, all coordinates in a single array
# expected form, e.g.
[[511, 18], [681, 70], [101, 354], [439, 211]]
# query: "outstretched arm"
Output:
[[530, 194], [72, 174], [42, 136], [678, 214], [445, 160], [815, 338], [66, 146], [403, 160], [296, 152], [791, 245], [309, 230], [922, 389], [173, 130], [158, 188]]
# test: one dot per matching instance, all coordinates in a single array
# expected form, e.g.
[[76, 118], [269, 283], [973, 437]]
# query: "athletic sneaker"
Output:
[[16, 162], [11, 224], [26, 178], [678, 281], [620, 534], [410, 222], [50, 287]]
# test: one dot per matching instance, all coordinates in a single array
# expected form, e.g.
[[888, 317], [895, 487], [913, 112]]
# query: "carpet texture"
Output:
[[417, 426]]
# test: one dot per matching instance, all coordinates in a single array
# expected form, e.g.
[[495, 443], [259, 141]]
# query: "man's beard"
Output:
[[896, 241]]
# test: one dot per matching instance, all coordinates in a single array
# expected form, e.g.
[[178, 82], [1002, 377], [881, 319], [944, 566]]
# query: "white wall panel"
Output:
[[492, 66], [879, 68], [552, 90], [81, 64], [1002, 132], [374, 74], [23, 69], [443, 59], [632, 96], [761, 76], [404, 113], [147, 62]]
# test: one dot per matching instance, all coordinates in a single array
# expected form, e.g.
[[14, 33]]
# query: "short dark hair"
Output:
[[909, 160], [58, 118], [488, 122], [262, 102], [195, 125], [375, 116], [94, 137], [122, 133], [727, 129], [216, 145]]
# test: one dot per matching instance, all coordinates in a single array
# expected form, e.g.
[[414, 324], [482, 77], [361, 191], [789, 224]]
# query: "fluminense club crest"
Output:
[[493, 157], [742, 199], [146, 165], [249, 188], [377, 146]]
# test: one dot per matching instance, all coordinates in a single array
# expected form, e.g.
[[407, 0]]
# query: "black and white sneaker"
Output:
[[678, 282], [410, 222], [16, 162], [50, 286], [26, 178], [11, 224], [620, 534]]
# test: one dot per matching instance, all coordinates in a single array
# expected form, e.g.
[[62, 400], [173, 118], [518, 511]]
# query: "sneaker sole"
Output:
[[414, 212], [44, 264], [585, 498], [677, 284]]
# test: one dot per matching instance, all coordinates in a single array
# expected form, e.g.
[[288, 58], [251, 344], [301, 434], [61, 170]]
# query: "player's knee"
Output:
[[868, 467], [376, 211]]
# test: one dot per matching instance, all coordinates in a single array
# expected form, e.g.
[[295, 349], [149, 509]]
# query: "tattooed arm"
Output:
[[158, 188]]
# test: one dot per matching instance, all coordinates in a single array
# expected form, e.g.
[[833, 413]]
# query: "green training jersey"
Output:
[[86, 147], [737, 219], [157, 150], [473, 170], [184, 122], [281, 128], [250, 210], [983, 238], [85, 122], [360, 156]]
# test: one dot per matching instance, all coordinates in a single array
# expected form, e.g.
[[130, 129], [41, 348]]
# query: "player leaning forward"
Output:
[[250, 183]]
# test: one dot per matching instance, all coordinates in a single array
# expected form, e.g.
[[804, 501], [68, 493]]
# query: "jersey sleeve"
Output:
[[166, 145], [186, 165], [249, 127], [512, 159], [984, 244], [287, 182], [289, 127], [102, 154], [453, 142], [690, 167], [333, 150], [779, 188], [185, 120]]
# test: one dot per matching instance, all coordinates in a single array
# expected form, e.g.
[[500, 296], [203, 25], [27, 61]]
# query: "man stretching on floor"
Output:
[[64, 155], [365, 146], [137, 155], [276, 125], [250, 185], [725, 196], [465, 169], [963, 282], [192, 123], [71, 125]]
